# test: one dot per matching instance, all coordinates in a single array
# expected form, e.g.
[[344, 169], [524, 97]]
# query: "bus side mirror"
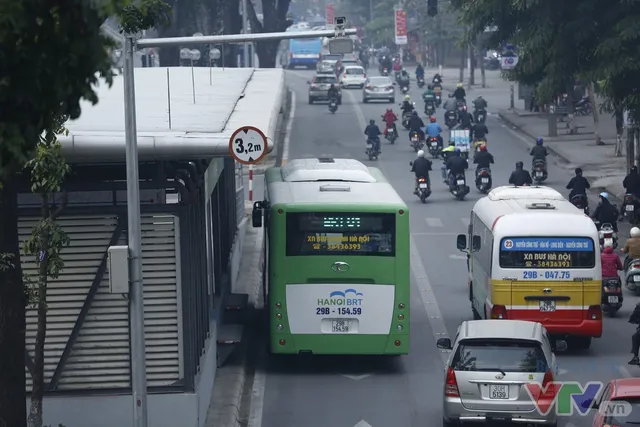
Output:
[[461, 242], [256, 214], [476, 243]]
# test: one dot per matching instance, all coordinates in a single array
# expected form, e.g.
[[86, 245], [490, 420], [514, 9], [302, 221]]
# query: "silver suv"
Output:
[[319, 88], [490, 364]]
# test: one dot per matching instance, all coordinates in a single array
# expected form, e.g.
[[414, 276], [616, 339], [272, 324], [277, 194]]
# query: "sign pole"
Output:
[[512, 96]]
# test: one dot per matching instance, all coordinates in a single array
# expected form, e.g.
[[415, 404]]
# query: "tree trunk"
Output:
[[570, 109], [596, 114], [267, 52], [619, 117], [13, 405]]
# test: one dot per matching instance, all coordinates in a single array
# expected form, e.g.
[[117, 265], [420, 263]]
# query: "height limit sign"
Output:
[[248, 145]]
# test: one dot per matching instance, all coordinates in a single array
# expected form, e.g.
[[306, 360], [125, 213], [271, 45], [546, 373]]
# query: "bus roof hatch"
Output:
[[541, 205]]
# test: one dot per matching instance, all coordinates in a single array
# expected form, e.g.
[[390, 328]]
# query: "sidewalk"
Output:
[[601, 167]]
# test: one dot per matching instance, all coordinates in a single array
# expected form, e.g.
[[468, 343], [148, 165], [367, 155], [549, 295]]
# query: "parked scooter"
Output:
[[434, 148], [483, 180], [539, 169], [581, 202], [631, 208], [373, 148], [459, 188], [415, 141], [611, 295]]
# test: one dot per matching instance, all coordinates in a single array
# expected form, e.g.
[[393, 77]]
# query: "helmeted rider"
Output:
[[631, 183], [434, 130], [611, 264], [460, 94], [437, 80], [465, 118], [415, 125], [373, 135], [407, 105], [456, 165], [450, 105], [429, 96], [606, 213], [332, 93], [539, 151], [420, 72], [446, 153], [421, 167], [483, 158], [480, 132], [578, 185], [632, 247], [390, 119], [520, 176], [479, 104]]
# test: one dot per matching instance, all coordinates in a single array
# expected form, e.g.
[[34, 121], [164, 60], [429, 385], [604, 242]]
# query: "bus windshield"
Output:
[[306, 46], [330, 233], [547, 252]]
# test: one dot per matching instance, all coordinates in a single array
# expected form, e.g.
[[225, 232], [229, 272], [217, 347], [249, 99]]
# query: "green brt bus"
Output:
[[336, 276]]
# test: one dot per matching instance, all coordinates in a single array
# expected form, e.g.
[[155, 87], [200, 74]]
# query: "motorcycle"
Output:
[[459, 188], [406, 116], [424, 187], [632, 276], [434, 148], [581, 202], [451, 119], [373, 148], [483, 180], [384, 72], [333, 105], [583, 107], [481, 116], [415, 141], [631, 207], [607, 235], [420, 82], [404, 89], [611, 295], [539, 168], [438, 90], [429, 108], [391, 135], [396, 75]]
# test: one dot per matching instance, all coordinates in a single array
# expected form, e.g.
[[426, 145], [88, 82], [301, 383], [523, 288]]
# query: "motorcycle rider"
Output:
[[479, 104], [404, 79], [433, 130], [611, 264], [332, 93], [606, 212], [421, 167], [480, 131], [578, 185], [446, 153], [373, 135], [429, 96], [420, 72], [390, 119], [460, 94], [520, 176], [632, 247], [415, 125], [483, 158], [437, 80], [450, 105], [456, 165], [539, 151], [631, 183], [407, 105], [466, 121]]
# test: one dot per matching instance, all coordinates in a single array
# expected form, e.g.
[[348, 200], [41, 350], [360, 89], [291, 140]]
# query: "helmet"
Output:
[[407, 98], [451, 143], [483, 147], [459, 85], [578, 171], [519, 165], [635, 232], [432, 119], [414, 113], [604, 195], [457, 151], [389, 110], [464, 108], [539, 140], [372, 122], [421, 153]]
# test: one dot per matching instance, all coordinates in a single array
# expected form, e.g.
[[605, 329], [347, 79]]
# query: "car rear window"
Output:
[[325, 79], [359, 71], [477, 355], [380, 81]]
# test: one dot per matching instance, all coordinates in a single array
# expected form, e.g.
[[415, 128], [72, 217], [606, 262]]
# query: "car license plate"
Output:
[[390, 130], [547, 306], [484, 180], [369, 145], [340, 326], [498, 391], [613, 300], [539, 174], [461, 182], [423, 185], [636, 278], [414, 139], [434, 144], [608, 241], [629, 208]]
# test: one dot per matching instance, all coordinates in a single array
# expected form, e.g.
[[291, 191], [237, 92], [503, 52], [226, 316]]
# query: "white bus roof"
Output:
[[330, 181], [539, 210]]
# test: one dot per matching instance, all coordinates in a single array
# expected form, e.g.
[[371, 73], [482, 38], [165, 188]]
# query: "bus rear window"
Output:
[[478, 355], [328, 233], [547, 252]]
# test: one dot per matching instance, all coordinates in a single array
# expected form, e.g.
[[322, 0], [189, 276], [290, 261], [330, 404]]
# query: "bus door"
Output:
[[547, 302]]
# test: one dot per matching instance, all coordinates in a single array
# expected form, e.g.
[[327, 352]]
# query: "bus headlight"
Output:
[[400, 327], [279, 327]]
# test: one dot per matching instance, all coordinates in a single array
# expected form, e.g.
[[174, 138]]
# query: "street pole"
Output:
[[136, 303], [245, 29], [512, 96]]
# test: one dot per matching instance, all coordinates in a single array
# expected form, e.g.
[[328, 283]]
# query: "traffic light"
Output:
[[432, 7]]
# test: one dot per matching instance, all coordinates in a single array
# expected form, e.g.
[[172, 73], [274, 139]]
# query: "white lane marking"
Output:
[[257, 399], [362, 423], [434, 222], [455, 256], [287, 137], [624, 372]]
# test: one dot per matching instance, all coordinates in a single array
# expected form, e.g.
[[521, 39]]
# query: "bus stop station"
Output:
[[193, 224]]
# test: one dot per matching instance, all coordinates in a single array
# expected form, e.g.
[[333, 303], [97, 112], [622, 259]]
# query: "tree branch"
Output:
[[253, 17], [29, 363], [63, 205], [282, 8]]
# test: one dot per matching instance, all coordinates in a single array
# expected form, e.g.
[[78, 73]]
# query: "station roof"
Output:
[[170, 125]]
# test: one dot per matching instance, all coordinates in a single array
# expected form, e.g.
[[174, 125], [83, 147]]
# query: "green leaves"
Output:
[[143, 15]]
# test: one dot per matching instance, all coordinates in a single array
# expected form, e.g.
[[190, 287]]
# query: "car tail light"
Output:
[[498, 312], [390, 87], [629, 198], [365, 75], [546, 395], [594, 313], [451, 385], [368, 86]]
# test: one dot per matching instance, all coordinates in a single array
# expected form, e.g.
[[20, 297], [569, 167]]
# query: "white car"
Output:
[[353, 76]]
